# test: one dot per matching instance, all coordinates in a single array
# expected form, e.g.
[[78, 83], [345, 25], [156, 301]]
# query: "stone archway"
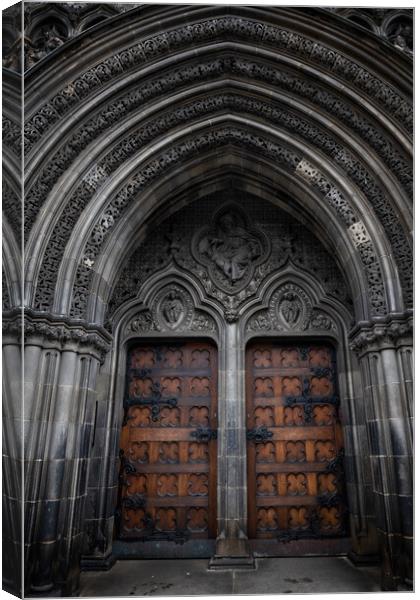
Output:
[[281, 107]]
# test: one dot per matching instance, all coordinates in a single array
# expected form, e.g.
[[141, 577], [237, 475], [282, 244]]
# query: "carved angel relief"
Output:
[[230, 249]]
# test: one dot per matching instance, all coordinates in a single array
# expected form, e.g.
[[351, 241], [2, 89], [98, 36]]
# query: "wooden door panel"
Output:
[[295, 445], [168, 446]]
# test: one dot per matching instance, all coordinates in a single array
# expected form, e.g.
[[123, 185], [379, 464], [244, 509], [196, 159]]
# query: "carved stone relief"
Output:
[[178, 240], [113, 159], [290, 309], [172, 310], [230, 249], [129, 102], [237, 28]]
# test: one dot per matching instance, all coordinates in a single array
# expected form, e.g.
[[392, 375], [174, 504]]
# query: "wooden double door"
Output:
[[168, 474]]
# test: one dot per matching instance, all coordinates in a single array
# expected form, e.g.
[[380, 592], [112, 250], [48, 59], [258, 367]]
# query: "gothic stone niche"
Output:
[[230, 261], [230, 249]]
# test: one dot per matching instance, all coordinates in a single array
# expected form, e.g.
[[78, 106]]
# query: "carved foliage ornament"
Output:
[[230, 249]]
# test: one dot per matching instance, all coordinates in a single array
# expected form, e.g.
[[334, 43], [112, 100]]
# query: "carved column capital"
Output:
[[62, 331], [388, 332]]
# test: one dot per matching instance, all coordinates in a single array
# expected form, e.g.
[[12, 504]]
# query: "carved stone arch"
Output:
[[314, 181], [12, 268], [168, 304], [314, 313], [130, 238]]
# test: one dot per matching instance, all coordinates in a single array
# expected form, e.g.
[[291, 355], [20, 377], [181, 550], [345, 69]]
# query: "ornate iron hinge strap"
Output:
[[259, 434], [155, 400], [204, 434]]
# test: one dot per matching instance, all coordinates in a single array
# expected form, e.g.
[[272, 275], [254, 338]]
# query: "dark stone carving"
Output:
[[173, 309], [142, 323], [12, 208], [320, 320], [392, 25], [333, 196], [290, 308], [155, 168], [48, 25], [236, 28], [388, 332], [107, 117], [158, 251], [231, 249], [5, 291], [58, 329], [12, 135]]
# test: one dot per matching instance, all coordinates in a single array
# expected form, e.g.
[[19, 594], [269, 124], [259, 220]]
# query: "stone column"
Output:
[[103, 471], [232, 548], [60, 366], [383, 348], [12, 460]]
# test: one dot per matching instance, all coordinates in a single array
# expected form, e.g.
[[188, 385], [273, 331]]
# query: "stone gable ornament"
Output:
[[230, 249]]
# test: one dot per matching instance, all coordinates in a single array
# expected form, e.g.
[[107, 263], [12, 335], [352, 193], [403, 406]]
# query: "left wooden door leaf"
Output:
[[168, 443]]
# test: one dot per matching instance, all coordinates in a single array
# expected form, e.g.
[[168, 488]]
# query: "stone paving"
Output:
[[192, 578]]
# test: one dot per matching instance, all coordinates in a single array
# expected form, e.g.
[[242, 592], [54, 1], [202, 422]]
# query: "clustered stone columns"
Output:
[[61, 360], [384, 348], [12, 454]]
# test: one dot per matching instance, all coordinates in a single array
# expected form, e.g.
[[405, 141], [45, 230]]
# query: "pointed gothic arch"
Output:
[[281, 108]]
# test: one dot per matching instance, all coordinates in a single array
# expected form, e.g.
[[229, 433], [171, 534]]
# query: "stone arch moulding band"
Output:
[[358, 232]]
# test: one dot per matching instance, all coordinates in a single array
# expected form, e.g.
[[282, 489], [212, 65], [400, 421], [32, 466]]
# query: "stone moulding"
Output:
[[236, 28], [62, 330], [128, 102], [391, 331]]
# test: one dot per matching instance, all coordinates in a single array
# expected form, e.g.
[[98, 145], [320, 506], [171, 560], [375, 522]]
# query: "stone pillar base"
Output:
[[232, 554], [98, 563]]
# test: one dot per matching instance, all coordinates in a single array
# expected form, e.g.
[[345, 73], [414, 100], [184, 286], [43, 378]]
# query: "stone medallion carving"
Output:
[[173, 309], [290, 307], [230, 249]]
